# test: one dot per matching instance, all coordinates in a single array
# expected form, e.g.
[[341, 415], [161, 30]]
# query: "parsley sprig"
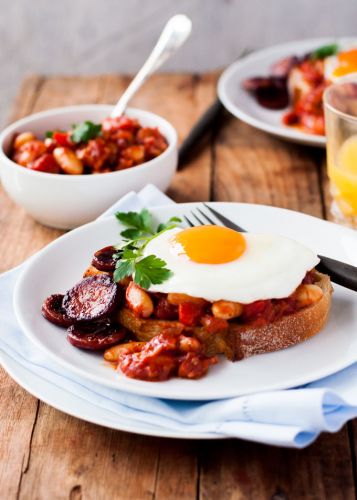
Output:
[[130, 256], [325, 51], [83, 132]]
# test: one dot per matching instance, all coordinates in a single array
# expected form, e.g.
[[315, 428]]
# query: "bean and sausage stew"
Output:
[[89, 148], [299, 82], [149, 335]]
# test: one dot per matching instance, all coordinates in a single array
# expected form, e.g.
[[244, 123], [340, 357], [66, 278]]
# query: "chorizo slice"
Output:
[[53, 311], [104, 260], [91, 299], [95, 337]]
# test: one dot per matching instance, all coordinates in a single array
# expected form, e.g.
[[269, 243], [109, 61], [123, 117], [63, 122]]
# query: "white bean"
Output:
[[68, 161]]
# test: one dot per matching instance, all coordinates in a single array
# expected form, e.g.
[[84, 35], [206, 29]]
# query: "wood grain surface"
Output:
[[47, 454]]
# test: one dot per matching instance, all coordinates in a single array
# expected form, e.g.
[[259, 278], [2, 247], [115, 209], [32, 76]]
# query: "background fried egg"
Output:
[[342, 64]]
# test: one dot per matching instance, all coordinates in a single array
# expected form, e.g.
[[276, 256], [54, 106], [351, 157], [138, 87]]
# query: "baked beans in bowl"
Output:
[[49, 161]]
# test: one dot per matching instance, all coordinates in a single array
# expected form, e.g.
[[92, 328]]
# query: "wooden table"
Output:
[[45, 454]]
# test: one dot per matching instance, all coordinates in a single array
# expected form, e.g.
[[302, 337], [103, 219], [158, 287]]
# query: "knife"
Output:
[[198, 131]]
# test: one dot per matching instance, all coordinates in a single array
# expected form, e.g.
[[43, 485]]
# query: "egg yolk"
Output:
[[347, 63], [211, 244]]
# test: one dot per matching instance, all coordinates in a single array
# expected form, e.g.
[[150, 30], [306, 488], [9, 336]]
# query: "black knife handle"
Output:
[[341, 273], [199, 130]]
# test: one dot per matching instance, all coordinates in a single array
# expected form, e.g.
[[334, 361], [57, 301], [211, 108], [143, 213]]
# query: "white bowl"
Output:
[[65, 201]]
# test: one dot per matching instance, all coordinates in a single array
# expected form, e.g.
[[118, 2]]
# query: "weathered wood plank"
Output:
[[18, 414], [26, 98], [238, 470], [74, 459], [177, 475], [252, 167], [68, 91]]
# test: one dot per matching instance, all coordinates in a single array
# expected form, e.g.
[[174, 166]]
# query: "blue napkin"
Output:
[[291, 418]]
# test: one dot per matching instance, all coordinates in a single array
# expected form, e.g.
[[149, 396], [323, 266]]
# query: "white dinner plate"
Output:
[[242, 105], [61, 264]]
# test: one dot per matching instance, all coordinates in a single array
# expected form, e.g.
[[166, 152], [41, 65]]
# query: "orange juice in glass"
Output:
[[340, 105]]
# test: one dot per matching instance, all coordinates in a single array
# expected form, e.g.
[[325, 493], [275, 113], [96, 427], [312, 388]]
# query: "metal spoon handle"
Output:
[[174, 34]]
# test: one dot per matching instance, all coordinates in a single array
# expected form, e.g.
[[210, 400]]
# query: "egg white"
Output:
[[271, 267], [330, 64]]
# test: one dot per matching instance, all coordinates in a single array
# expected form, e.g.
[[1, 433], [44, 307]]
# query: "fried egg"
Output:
[[217, 263], [340, 65]]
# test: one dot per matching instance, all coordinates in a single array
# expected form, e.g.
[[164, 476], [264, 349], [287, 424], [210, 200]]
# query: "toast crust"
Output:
[[243, 341], [289, 330]]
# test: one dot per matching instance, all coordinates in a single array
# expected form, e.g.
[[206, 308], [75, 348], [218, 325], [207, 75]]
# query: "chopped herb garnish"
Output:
[[325, 51], [85, 131], [130, 258], [49, 134]]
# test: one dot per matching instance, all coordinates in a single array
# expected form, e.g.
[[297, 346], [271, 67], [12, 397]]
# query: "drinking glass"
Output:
[[340, 107]]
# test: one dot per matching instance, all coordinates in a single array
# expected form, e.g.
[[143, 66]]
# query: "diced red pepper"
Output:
[[62, 139], [190, 313], [45, 163]]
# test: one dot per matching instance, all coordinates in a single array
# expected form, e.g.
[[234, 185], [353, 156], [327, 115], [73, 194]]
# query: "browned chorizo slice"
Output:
[[96, 340], [103, 259], [53, 311], [91, 299]]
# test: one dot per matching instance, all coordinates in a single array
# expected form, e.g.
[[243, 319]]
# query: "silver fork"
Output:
[[221, 218], [340, 272]]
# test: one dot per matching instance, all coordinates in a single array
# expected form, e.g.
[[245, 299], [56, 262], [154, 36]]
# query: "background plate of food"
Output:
[[57, 268], [279, 89]]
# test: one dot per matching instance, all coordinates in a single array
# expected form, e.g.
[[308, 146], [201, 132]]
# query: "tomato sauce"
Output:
[[115, 144]]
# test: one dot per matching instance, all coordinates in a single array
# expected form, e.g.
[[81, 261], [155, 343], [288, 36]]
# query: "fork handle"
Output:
[[341, 273]]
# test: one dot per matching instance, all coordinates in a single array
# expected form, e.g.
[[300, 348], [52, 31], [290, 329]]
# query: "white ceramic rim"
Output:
[[11, 129], [279, 131]]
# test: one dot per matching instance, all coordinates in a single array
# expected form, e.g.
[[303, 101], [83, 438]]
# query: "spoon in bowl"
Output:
[[174, 34]]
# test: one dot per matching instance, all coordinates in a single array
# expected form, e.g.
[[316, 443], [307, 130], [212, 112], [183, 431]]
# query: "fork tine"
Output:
[[197, 218], [211, 221], [226, 222], [188, 221]]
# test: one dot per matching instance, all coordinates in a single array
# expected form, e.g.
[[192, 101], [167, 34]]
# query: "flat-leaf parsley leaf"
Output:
[[130, 259], [85, 131]]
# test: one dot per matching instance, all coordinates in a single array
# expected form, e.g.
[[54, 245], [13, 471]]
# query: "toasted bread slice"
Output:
[[289, 330], [243, 341]]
